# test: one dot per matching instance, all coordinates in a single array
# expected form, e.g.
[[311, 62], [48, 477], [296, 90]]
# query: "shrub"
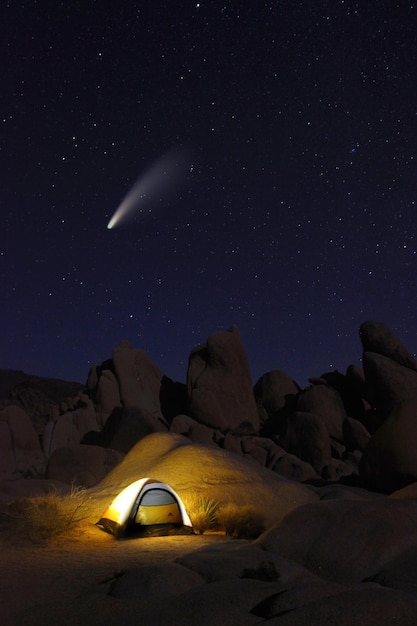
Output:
[[244, 522], [203, 514], [39, 518]]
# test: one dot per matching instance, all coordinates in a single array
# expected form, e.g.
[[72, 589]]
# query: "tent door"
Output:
[[158, 506]]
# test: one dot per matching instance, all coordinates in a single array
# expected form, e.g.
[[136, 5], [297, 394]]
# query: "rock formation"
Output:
[[220, 393], [358, 427]]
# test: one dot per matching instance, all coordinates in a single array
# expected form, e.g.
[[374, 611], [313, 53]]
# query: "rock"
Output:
[[20, 443], [107, 395], [389, 462], [295, 596], [344, 541], [389, 383], [405, 493], [326, 403], [39, 397], [14, 488], [197, 470], [225, 602], [7, 458], [367, 605], [355, 435], [241, 559], [82, 465], [337, 469], [133, 425], [232, 443], [167, 579], [351, 461], [338, 449], [187, 426], [351, 389], [220, 393], [139, 379], [337, 491], [272, 392], [378, 338], [400, 573], [69, 429], [305, 435], [292, 467], [263, 450], [173, 398]]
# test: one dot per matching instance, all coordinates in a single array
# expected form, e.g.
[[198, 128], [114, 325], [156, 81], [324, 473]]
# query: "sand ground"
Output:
[[66, 581]]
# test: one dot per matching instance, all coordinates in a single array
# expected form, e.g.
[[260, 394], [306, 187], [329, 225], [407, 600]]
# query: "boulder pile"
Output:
[[358, 428]]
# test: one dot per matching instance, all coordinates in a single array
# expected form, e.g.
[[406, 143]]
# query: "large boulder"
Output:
[[198, 471], [7, 458], [20, 447], [263, 450], [400, 573], [139, 378], [107, 395], [325, 402], [69, 429], [355, 435], [187, 426], [389, 383], [376, 337], [292, 467], [305, 435], [133, 425], [272, 392], [351, 388], [344, 540], [166, 579], [365, 604], [237, 559], [82, 465], [389, 461], [220, 393]]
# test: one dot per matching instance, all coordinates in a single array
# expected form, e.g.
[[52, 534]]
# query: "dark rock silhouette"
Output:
[[273, 392], [376, 337], [389, 461], [324, 537], [325, 402], [305, 435], [19, 444], [353, 428], [389, 383], [81, 465], [219, 384]]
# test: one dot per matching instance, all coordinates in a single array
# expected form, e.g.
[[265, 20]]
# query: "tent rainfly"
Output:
[[146, 507]]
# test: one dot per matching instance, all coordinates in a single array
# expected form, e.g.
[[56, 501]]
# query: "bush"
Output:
[[244, 522], [203, 514], [39, 518]]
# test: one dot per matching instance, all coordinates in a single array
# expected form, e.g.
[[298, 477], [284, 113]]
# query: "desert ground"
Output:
[[66, 580]]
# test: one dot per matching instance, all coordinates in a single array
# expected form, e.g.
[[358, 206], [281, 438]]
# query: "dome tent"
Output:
[[146, 507]]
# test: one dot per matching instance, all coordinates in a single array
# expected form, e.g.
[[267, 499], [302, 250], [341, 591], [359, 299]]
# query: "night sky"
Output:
[[273, 149]]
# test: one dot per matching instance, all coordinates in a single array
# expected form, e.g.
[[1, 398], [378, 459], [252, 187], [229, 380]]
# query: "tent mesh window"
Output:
[[157, 506]]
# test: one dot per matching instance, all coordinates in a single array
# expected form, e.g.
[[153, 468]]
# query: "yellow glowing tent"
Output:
[[146, 507]]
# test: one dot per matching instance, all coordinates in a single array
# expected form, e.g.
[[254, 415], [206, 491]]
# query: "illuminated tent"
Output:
[[146, 507]]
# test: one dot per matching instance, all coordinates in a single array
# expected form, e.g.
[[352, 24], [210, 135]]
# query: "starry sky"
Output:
[[271, 148]]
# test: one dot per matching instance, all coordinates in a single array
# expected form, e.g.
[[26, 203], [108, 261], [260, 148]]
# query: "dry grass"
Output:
[[244, 522], [203, 513], [40, 518]]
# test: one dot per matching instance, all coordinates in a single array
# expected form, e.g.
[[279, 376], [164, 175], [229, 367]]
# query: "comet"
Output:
[[154, 184]]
